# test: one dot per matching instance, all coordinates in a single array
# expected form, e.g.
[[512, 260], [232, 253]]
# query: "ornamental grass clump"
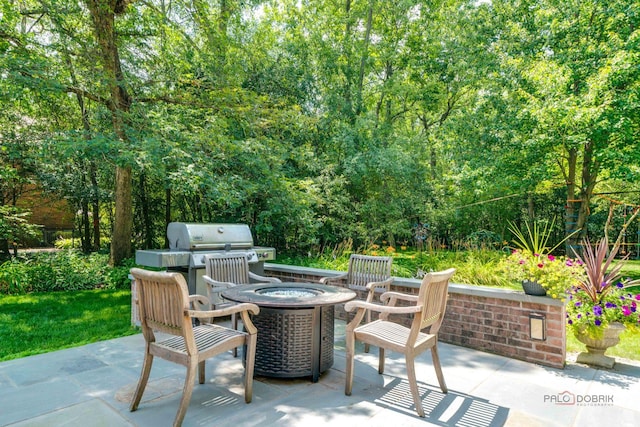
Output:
[[601, 297]]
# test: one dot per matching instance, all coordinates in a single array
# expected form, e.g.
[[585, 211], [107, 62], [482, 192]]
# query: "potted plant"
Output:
[[532, 263], [544, 274], [601, 306]]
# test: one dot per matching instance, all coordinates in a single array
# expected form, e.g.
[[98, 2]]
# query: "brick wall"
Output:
[[486, 319]]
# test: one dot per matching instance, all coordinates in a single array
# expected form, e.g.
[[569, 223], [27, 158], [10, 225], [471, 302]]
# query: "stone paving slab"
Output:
[[92, 385]]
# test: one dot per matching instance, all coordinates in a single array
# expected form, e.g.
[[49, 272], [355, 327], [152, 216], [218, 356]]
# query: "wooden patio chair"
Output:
[[165, 306], [226, 270], [427, 309], [365, 273]]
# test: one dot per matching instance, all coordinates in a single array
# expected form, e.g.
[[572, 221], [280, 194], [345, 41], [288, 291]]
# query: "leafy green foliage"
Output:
[[63, 270], [319, 122], [474, 267]]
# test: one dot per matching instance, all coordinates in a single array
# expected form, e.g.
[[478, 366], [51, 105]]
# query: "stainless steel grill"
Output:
[[190, 242]]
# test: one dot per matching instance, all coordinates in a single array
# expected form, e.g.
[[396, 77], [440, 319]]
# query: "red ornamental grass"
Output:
[[598, 281]]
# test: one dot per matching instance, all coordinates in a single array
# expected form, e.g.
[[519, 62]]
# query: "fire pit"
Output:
[[295, 326]]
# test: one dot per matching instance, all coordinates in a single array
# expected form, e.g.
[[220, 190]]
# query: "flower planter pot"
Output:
[[597, 346], [533, 288]]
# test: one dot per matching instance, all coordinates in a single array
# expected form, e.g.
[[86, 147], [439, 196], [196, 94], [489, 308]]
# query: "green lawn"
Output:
[[42, 322]]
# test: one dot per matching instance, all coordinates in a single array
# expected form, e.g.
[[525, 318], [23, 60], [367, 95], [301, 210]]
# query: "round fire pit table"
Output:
[[295, 326]]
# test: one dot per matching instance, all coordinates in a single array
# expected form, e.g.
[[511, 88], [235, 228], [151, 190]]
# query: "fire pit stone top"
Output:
[[289, 294]]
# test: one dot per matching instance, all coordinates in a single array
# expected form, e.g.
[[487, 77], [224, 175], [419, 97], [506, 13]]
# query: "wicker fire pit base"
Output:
[[295, 326], [294, 342]]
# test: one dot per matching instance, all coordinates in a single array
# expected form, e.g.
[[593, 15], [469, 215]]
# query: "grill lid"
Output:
[[197, 236]]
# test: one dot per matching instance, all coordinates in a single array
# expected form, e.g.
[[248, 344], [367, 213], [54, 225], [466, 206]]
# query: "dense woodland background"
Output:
[[319, 122]]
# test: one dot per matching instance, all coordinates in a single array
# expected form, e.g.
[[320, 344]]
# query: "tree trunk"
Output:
[[147, 225], [123, 220], [103, 13], [579, 199], [85, 234], [364, 59], [95, 203], [570, 223], [348, 75]]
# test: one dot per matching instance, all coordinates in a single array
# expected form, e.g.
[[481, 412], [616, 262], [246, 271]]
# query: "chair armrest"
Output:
[[383, 284], [394, 296], [259, 278], [371, 287], [238, 308], [197, 302], [216, 286], [329, 279], [362, 305]]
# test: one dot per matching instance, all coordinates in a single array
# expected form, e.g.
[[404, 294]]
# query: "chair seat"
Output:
[[390, 335], [210, 339]]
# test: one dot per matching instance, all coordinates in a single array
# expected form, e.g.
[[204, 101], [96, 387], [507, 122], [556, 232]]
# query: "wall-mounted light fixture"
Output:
[[537, 326]]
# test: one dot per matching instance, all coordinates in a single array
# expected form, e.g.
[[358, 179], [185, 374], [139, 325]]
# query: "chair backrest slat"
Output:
[[364, 269], [232, 267], [163, 301], [433, 294]]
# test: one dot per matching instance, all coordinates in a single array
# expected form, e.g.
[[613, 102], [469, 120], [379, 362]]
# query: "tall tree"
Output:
[[103, 14], [572, 68]]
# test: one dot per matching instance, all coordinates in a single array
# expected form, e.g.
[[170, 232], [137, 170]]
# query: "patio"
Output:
[[91, 386]]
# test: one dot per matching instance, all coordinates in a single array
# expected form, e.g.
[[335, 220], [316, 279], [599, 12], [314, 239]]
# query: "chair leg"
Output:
[[201, 372], [438, 368], [350, 349], [366, 345], [234, 325], [186, 393], [380, 360], [249, 367], [142, 382], [413, 385]]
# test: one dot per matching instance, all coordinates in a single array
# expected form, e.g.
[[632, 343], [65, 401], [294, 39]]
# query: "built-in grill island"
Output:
[[190, 242]]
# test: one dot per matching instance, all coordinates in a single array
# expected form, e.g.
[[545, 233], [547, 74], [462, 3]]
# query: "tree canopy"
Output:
[[321, 121]]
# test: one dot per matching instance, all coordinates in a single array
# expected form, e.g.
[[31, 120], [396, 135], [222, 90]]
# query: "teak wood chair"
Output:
[[427, 308], [165, 306], [365, 273], [226, 270]]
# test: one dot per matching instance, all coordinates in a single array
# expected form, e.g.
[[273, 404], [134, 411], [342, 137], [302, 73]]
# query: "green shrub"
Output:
[[474, 267], [118, 277], [12, 277], [55, 271], [66, 243]]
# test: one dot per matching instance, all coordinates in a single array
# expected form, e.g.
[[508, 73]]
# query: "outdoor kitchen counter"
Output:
[[295, 326]]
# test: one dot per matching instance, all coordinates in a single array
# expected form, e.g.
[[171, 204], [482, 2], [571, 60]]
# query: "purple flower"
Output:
[[598, 322], [569, 263], [610, 305], [638, 297], [597, 310], [551, 257], [578, 304], [619, 285], [571, 321]]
